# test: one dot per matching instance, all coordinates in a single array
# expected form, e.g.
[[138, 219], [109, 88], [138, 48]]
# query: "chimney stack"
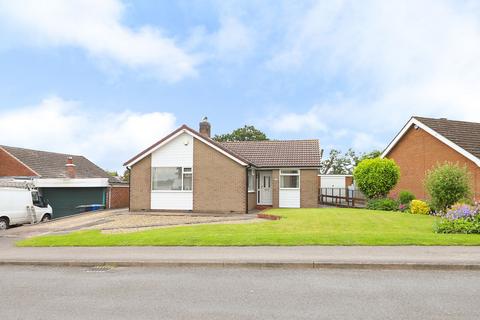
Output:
[[205, 127], [70, 168]]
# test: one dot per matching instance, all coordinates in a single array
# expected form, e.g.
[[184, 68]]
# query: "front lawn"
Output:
[[329, 226]]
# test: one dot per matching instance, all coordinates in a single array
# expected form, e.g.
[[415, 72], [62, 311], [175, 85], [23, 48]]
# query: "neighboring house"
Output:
[[188, 171], [424, 142], [68, 182]]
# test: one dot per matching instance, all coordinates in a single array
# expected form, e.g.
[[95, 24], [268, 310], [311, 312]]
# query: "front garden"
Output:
[[448, 186], [322, 226]]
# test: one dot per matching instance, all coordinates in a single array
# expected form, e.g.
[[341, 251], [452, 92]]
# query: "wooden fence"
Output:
[[341, 197]]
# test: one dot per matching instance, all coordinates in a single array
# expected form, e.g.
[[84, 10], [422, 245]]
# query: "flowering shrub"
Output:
[[461, 210], [419, 207], [460, 218]]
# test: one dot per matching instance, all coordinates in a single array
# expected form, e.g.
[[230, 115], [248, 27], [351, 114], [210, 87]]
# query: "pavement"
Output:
[[391, 257], [236, 293]]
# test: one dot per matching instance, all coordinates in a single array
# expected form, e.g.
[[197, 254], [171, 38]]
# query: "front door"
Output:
[[264, 187]]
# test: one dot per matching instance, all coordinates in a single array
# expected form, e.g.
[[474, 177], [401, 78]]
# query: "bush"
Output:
[[447, 184], [460, 218], [376, 177], [419, 207], [385, 204], [405, 197]]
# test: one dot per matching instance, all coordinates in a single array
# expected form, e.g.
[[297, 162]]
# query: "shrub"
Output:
[[447, 184], [385, 204], [376, 177], [460, 218], [405, 197], [419, 207]]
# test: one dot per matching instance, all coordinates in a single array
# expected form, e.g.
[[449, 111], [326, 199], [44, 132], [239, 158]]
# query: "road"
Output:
[[227, 293]]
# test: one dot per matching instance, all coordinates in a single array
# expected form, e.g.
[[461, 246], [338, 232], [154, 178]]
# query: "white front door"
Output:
[[264, 187]]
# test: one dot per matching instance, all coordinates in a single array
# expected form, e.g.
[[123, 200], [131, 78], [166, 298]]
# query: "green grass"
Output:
[[329, 226]]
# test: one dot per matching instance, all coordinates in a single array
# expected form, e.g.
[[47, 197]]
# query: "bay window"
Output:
[[289, 179], [172, 178]]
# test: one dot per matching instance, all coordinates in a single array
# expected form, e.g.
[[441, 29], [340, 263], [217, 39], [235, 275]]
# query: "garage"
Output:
[[68, 201]]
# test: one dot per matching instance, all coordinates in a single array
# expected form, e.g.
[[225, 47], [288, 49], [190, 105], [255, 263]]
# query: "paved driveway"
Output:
[[120, 220]]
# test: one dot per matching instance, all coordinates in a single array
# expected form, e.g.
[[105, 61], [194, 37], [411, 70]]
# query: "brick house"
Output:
[[188, 171], [68, 182], [425, 142]]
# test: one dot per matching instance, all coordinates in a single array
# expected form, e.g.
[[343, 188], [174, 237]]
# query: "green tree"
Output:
[[246, 133], [447, 184], [369, 155], [112, 173], [376, 177], [126, 175]]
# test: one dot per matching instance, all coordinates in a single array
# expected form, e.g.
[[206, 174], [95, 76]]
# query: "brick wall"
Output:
[[140, 185], [118, 197], [219, 183], [11, 167], [417, 152], [309, 188]]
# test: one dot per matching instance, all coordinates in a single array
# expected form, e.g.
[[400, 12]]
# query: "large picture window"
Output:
[[172, 178], [290, 179]]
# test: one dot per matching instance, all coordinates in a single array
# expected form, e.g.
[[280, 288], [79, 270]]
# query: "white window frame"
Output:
[[251, 174], [297, 173], [183, 174]]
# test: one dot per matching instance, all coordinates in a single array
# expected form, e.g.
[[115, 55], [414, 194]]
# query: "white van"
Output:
[[22, 205]]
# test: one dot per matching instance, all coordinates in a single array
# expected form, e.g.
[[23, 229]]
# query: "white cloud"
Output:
[[59, 125], [394, 60], [96, 27], [296, 122]]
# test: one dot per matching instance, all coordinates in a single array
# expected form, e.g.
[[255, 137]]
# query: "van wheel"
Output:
[[3, 224], [46, 218]]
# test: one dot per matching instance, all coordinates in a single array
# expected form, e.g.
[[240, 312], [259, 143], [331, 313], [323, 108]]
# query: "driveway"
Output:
[[121, 220]]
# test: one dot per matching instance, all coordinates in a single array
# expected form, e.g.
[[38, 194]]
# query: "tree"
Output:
[[112, 173], [369, 155], [447, 184], [336, 163], [376, 177], [246, 133], [126, 175]]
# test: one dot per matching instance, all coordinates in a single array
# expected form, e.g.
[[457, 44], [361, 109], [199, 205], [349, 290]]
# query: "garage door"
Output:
[[66, 201]]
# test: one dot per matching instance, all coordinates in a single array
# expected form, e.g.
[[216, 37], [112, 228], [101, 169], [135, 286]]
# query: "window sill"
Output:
[[251, 191], [172, 191], [289, 188]]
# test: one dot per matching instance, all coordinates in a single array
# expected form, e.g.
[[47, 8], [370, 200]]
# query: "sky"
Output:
[[107, 78]]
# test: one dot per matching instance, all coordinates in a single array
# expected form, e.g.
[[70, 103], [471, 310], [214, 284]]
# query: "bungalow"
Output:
[[188, 171], [68, 182], [425, 142]]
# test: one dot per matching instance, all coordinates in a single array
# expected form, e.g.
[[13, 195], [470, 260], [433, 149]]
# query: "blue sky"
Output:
[[108, 78]]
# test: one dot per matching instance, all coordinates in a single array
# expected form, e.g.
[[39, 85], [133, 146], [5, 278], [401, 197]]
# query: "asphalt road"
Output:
[[217, 293]]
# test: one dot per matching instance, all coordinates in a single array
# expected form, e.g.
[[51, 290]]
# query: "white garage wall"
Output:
[[332, 181]]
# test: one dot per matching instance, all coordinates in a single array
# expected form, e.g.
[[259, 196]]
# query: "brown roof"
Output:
[[261, 154], [52, 165], [464, 134], [278, 153]]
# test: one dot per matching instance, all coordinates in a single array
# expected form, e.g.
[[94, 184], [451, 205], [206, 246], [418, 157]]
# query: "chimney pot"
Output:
[[70, 168], [205, 127]]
